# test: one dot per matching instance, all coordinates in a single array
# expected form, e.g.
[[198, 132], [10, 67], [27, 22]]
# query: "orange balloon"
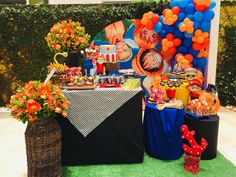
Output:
[[194, 39], [150, 14], [197, 46], [165, 48], [170, 44], [182, 28], [155, 18], [178, 55], [176, 10], [144, 20], [164, 12], [198, 32], [172, 51], [168, 13], [190, 30], [150, 25], [177, 42], [145, 15], [164, 41], [170, 21], [170, 37], [189, 57], [205, 35], [175, 17], [165, 20], [200, 39], [186, 20]]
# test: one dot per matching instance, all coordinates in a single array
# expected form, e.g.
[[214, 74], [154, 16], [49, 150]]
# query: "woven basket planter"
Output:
[[43, 148]]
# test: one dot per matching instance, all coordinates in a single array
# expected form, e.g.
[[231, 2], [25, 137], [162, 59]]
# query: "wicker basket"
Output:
[[43, 148]]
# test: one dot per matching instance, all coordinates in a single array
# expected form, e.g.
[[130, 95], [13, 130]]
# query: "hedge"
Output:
[[24, 54], [226, 60]]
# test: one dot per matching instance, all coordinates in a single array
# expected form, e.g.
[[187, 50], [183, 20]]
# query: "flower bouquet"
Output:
[[67, 36], [37, 101]]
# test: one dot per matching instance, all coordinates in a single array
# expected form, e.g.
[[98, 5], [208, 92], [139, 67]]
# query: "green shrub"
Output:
[[24, 53], [226, 62]]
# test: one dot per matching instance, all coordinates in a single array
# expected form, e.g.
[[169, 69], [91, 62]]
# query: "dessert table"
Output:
[[162, 135], [103, 126]]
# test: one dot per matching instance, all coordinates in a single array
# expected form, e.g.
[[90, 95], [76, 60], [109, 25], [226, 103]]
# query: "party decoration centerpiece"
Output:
[[38, 103], [192, 153], [66, 36]]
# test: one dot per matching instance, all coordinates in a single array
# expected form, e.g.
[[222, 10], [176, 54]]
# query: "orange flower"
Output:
[[33, 106], [29, 88], [44, 91], [58, 46]]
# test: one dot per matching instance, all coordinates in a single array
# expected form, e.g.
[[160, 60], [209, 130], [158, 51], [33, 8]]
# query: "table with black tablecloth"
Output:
[[162, 135], [89, 138]]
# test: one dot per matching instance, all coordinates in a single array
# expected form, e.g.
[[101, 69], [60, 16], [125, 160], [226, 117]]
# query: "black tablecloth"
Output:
[[118, 139], [205, 128]]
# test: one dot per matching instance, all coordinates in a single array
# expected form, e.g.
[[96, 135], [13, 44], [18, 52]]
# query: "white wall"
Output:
[[74, 1], [212, 59], [83, 1]]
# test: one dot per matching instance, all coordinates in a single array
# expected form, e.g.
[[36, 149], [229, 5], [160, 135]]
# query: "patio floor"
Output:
[[13, 156]]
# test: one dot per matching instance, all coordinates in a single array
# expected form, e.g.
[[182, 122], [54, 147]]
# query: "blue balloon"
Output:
[[198, 16], [162, 34], [193, 52], [190, 17], [187, 42], [200, 63], [161, 18], [180, 3], [209, 15], [158, 27], [196, 25], [188, 35], [178, 34], [205, 26], [181, 16], [190, 9], [164, 26], [213, 4], [182, 49], [170, 29]]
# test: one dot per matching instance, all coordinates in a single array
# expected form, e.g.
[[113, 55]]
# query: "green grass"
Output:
[[218, 167]]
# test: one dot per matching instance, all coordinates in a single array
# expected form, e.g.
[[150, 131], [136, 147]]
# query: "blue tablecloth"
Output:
[[162, 135]]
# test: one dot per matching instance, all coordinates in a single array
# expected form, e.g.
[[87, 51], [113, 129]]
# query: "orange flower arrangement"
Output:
[[37, 100], [67, 36]]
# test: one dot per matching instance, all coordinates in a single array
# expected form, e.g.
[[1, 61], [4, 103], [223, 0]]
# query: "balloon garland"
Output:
[[184, 29]]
